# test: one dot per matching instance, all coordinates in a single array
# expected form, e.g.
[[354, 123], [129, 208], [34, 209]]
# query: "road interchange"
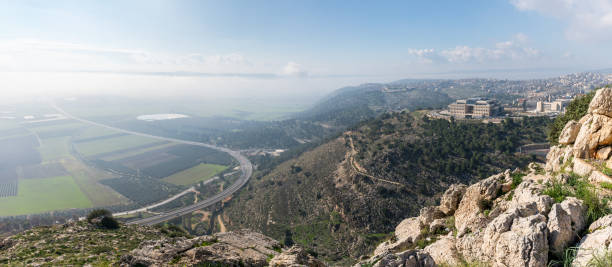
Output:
[[246, 168]]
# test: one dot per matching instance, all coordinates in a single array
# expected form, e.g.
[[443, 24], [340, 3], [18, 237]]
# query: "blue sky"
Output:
[[284, 47]]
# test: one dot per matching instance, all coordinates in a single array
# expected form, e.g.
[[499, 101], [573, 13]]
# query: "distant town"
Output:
[[547, 97]]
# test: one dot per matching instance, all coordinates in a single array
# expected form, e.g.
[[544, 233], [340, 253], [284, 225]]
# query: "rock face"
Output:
[[408, 258], [469, 215], [604, 153], [294, 257], [451, 198], [602, 102], [596, 131], [444, 251], [569, 133], [596, 243], [566, 221], [238, 248]]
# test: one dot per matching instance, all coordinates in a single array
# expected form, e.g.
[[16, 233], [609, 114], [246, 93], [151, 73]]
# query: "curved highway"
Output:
[[245, 166]]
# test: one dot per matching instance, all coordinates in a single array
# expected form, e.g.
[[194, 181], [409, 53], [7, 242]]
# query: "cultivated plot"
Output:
[[44, 195]]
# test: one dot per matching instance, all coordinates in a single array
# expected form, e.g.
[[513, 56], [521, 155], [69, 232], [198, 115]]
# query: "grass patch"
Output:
[[43, 195], [601, 260], [112, 144], [195, 174], [580, 188], [517, 178], [606, 185]]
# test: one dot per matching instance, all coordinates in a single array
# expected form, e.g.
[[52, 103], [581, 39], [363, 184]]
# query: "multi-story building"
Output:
[[554, 106], [474, 108]]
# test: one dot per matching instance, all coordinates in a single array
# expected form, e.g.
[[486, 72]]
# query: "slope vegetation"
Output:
[[342, 197]]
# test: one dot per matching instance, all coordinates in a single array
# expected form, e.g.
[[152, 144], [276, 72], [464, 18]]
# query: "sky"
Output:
[[289, 48]]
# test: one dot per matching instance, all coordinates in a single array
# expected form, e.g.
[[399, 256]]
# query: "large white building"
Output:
[[474, 108], [557, 106]]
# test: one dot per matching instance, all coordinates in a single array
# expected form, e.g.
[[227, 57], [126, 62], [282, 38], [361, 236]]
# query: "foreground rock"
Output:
[[595, 244], [295, 256], [240, 248]]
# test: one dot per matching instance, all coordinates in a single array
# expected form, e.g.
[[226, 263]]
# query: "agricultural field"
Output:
[[52, 164], [112, 144], [201, 172], [43, 195]]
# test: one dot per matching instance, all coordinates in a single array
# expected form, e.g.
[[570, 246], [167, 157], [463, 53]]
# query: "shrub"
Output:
[[580, 188], [103, 219], [517, 178], [97, 213], [109, 222]]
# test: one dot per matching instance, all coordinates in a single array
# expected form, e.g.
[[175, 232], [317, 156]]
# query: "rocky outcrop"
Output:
[[405, 235], [558, 157], [444, 251], [477, 198], [240, 248], [569, 133], [595, 244], [451, 198], [294, 257], [566, 221], [582, 167], [407, 258], [596, 131], [602, 102]]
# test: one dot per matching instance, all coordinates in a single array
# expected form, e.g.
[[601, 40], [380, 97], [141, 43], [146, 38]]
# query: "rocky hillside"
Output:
[[83, 244], [559, 215], [342, 198]]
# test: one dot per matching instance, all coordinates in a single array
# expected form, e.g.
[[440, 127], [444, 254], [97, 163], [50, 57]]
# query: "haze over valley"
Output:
[[234, 133]]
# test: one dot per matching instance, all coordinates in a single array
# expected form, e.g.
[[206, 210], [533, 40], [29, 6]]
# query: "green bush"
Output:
[[580, 188], [574, 111], [97, 213], [106, 219]]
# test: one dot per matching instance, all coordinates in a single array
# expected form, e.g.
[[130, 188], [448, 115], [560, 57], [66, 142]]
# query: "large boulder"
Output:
[[604, 153], [469, 215], [511, 239], [602, 102], [569, 133], [294, 257], [408, 258], [596, 243], [406, 233], [237, 248], [582, 167], [599, 177], [566, 221], [528, 195], [596, 131], [430, 214], [557, 157], [444, 251], [451, 198]]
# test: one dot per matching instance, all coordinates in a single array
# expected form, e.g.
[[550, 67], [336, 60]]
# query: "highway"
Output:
[[246, 167]]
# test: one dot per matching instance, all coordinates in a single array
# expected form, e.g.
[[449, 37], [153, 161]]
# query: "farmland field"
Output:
[[43, 195], [54, 149], [196, 174], [112, 144]]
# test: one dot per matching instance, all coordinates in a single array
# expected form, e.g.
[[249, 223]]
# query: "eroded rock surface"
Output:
[[240, 248]]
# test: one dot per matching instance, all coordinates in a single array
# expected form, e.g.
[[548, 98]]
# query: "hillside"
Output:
[[84, 244], [341, 198], [350, 105], [557, 215]]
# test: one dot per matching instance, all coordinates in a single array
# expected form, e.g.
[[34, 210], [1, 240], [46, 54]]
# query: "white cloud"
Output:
[[513, 50], [294, 69], [586, 19], [40, 55]]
